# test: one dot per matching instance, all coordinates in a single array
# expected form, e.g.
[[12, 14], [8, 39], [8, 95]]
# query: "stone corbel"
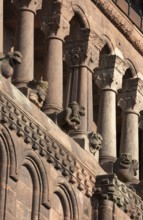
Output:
[[70, 118], [32, 5]]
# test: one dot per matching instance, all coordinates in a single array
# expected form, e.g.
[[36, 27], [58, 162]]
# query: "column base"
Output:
[[107, 162], [50, 110]]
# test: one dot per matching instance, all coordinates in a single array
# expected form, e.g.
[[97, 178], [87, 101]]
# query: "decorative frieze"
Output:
[[121, 22], [108, 187], [56, 155]]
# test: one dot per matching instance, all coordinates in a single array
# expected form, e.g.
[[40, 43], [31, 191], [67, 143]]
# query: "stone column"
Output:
[[130, 100], [108, 78], [25, 41], [55, 28], [83, 59], [1, 26]]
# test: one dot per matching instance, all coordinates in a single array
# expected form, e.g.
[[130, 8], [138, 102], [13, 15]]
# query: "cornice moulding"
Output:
[[121, 21]]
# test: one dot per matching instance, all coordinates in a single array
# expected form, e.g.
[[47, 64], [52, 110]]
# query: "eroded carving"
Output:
[[32, 5], [109, 188], [126, 168], [8, 62], [122, 23], [38, 92], [95, 142], [72, 116], [33, 134]]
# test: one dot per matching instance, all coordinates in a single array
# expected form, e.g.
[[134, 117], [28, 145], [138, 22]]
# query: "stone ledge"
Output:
[[78, 166]]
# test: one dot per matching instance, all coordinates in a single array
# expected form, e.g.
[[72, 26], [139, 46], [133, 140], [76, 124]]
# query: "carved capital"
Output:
[[108, 187], [55, 26], [85, 52], [110, 72], [81, 54], [53, 23], [31, 5], [130, 99]]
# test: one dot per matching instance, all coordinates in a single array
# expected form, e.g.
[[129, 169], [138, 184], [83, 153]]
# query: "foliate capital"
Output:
[[53, 23], [81, 54], [110, 72], [31, 5], [130, 99], [55, 26]]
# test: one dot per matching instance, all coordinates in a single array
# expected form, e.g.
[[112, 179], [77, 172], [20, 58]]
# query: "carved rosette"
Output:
[[110, 72], [32, 5], [132, 95], [109, 188]]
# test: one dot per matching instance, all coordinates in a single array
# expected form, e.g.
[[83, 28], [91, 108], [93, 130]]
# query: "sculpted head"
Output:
[[14, 57], [125, 159]]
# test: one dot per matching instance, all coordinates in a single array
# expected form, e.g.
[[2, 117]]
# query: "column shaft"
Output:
[[74, 87], [89, 103], [54, 75], [129, 136], [107, 123], [106, 211], [1, 26], [25, 44], [82, 97]]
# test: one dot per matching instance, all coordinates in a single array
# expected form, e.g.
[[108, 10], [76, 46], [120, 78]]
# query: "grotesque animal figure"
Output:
[[37, 92], [126, 168], [72, 116], [8, 63], [95, 142]]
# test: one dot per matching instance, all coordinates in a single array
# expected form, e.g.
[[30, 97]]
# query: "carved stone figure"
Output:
[[95, 142], [8, 62], [37, 92], [70, 118], [126, 168]]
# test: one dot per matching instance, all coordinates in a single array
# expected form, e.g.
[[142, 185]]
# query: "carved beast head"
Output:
[[14, 57]]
